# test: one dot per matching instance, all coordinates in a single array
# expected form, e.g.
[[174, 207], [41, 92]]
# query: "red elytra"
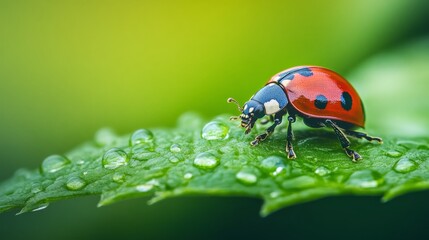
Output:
[[343, 102]]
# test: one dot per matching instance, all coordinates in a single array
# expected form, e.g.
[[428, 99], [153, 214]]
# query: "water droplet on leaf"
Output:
[[54, 163], [175, 148], [33, 208], [393, 153], [118, 177], [206, 160], [75, 183], [141, 136], [405, 165], [246, 177], [174, 159], [273, 165], [274, 194], [187, 176], [215, 131], [144, 187], [365, 179], [322, 171], [114, 158]]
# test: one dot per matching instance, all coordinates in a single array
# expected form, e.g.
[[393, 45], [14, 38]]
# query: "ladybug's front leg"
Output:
[[289, 148], [277, 120]]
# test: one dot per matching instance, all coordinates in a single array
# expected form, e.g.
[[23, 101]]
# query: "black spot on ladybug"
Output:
[[320, 102], [289, 75], [346, 101]]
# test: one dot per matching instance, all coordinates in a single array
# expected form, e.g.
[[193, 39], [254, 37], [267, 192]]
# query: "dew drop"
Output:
[[299, 182], [206, 160], [405, 165], [393, 153], [174, 159], [105, 136], [118, 177], [141, 136], [75, 183], [365, 179], [187, 176], [322, 171], [39, 207], [274, 194], [215, 131], [144, 187], [273, 165], [246, 178], [175, 148], [33, 207], [54, 163], [114, 158]]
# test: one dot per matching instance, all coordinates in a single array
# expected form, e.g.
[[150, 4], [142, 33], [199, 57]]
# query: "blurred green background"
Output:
[[68, 68]]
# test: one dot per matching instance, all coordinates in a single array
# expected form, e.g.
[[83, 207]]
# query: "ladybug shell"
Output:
[[321, 93]]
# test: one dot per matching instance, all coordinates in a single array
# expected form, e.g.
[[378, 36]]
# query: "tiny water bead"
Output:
[[174, 159], [118, 177], [175, 148], [144, 187], [273, 165], [365, 179], [141, 136], [246, 177], [405, 165], [187, 176], [206, 160], [38, 207], [54, 163], [148, 186], [75, 183], [322, 171], [114, 158], [215, 131], [393, 153], [275, 194]]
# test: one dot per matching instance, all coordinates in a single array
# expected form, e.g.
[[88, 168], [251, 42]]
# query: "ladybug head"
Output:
[[251, 112]]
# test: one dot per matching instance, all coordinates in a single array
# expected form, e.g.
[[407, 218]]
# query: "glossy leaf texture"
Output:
[[214, 157]]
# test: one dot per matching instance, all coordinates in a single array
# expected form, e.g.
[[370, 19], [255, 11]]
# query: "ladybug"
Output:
[[321, 97]]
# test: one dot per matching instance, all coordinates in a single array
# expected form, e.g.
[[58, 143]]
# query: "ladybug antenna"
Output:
[[232, 100]]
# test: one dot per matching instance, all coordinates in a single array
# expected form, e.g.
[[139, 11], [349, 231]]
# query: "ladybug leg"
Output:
[[268, 132], [362, 135], [289, 148], [345, 143]]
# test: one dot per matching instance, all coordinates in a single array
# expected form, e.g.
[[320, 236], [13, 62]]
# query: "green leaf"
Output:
[[215, 158]]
